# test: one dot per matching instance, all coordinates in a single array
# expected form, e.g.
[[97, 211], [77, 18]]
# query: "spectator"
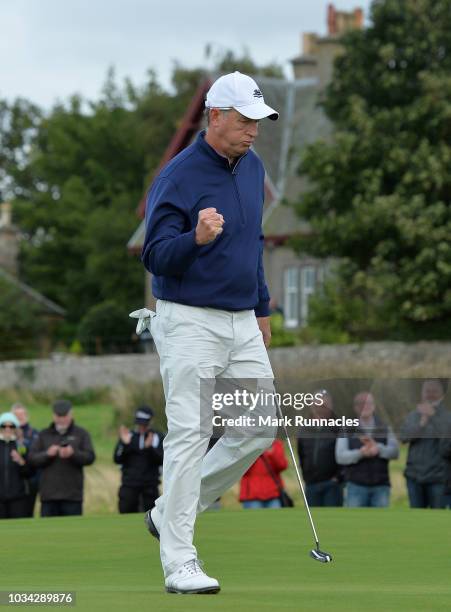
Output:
[[13, 469], [316, 449], [261, 486], [365, 454], [139, 452], [422, 430], [445, 451], [27, 435], [61, 451]]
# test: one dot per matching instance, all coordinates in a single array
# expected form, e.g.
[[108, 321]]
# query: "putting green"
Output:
[[384, 560]]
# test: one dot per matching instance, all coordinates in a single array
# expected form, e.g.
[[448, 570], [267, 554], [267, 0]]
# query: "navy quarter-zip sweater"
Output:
[[226, 273]]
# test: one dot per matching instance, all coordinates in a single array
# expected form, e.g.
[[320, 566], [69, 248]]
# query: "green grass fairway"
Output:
[[384, 560]]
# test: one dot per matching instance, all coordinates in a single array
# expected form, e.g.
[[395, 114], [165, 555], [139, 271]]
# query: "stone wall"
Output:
[[75, 374], [373, 360]]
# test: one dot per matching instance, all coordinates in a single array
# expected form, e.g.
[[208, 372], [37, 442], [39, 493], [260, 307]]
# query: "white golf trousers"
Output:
[[194, 343]]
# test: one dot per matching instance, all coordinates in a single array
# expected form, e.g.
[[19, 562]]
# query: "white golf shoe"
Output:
[[190, 578]]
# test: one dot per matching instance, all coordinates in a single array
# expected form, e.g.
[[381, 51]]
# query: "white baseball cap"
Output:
[[239, 91]]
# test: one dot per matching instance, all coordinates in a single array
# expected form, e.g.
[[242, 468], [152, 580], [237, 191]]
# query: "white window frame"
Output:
[[308, 284], [291, 296]]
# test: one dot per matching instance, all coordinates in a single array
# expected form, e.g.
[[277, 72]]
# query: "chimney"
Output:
[[9, 240], [305, 66], [341, 22], [5, 214], [358, 19], [309, 43], [331, 20], [319, 52]]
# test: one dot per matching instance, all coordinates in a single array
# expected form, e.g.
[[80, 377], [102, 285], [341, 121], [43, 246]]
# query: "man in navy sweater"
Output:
[[204, 248]]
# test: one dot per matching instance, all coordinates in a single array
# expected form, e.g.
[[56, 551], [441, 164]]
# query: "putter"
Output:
[[315, 553]]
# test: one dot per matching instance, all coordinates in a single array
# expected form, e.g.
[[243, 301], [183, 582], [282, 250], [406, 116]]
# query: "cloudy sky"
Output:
[[52, 48]]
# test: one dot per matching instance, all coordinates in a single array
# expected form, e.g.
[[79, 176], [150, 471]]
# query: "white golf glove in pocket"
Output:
[[144, 316]]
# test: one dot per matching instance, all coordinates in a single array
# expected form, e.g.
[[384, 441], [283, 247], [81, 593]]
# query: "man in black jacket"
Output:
[[422, 430], [13, 469], [445, 451], [316, 449], [61, 451], [139, 452]]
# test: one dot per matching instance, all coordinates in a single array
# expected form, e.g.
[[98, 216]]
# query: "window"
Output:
[[291, 297], [308, 284], [299, 284]]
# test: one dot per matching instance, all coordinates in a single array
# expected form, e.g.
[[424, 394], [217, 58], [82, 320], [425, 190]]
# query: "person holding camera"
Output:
[[139, 452], [61, 451], [14, 469]]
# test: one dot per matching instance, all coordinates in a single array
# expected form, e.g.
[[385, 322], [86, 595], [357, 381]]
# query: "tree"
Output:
[[19, 123], [105, 328], [86, 170], [380, 196]]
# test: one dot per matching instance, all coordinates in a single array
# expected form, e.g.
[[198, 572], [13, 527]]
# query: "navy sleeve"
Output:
[[169, 246]]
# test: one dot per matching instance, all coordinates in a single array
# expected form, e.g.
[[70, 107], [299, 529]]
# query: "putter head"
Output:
[[319, 555]]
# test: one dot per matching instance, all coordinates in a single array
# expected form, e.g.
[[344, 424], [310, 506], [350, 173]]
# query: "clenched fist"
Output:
[[209, 225]]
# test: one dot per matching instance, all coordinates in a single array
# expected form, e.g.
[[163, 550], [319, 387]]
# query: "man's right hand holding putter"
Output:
[[209, 225]]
